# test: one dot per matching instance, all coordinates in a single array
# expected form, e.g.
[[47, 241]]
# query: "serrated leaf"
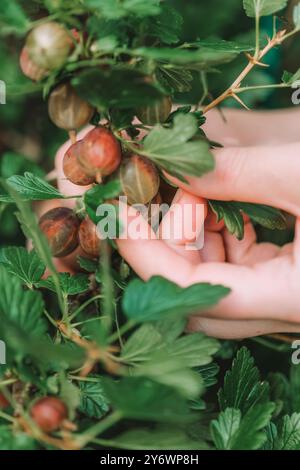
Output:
[[142, 342], [290, 78], [174, 79], [27, 266], [33, 188], [266, 216], [159, 299], [93, 401], [242, 387], [143, 399], [225, 427], [24, 308], [174, 151], [97, 195], [288, 437], [70, 284], [232, 432], [231, 215], [257, 8], [166, 26]]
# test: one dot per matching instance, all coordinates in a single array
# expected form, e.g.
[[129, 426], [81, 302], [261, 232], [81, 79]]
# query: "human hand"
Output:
[[263, 278]]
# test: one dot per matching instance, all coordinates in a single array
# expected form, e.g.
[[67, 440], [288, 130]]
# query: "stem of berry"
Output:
[[253, 61], [73, 137]]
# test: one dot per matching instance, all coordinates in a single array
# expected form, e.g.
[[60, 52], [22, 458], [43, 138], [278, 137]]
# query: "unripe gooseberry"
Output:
[[60, 226], [49, 45], [139, 180], [68, 110], [89, 238], [49, 413], [72, 169], [4, 403], [30, 69], [156, 113], [101, 154]]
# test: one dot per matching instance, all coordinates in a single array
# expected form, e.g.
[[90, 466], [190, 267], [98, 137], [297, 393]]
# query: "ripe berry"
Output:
[[60, 226], [156, 113], [67, 110], [49, 413], [30, 69], [101, 154], [139, 179], [49, 45], [88, 238], [73, 171], [4, 403]]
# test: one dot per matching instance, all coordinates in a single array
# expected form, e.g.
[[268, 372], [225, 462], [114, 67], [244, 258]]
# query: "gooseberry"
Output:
[[139, 180], [68, 110], [49, 413], [156, 113], [101, 154], [88, 238], [30, 69], [60, 226], [72, 169], [49, 45]]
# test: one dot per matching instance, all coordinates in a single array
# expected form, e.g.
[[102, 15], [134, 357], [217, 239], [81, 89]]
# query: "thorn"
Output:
[[255, 61], [238, 99]]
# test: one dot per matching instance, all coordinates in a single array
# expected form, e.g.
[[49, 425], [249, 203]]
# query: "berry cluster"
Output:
[[99, 155]]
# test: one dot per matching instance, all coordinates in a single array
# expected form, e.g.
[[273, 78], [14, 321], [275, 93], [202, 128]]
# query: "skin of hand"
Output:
[[264, 279]]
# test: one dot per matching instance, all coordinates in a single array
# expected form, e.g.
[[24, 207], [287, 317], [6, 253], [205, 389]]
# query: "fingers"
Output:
[[265, 175], [234, 329]]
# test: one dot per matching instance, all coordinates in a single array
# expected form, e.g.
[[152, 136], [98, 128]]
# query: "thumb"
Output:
[[264, 175]]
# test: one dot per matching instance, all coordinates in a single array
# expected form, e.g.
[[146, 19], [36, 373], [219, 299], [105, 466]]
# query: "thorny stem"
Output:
[[253, 61]]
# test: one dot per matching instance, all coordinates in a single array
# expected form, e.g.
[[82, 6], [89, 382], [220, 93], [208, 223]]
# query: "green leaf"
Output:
[[15, 440], [174, 79], [89, 265], [33, 188], [251, 435], [232, 432], [143, 399], [290, 78], [288, 437], [167, 26], [242, 385], [193, 350], [201, 58], [69, 284], [12, 17], [221, 45], [70, 394], [174, 151], [141, 343], [231, 215], [116, 88], [113, 9], [93, 401], [155, 439], [24, 308], [225, 427], [208, 373], [159, 299], [27, 266], [266, 216], [259, 8]]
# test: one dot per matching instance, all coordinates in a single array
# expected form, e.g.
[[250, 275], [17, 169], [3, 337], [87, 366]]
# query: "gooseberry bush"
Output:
[[100, 359]]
